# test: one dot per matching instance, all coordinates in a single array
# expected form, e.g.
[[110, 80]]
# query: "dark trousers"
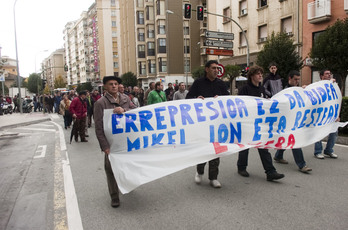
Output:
[[298, 156], [79, 128], [265, 156], [112, 184], [213, 168]]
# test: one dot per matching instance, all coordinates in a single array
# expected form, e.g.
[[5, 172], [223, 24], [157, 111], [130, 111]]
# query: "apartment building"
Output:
[[53, 67], [9, 70], [258, 19], [317, 16], [156, 43], [81, 48]]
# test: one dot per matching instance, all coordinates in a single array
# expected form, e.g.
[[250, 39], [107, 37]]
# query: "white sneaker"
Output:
[[319, 156], [332, 155], [198, 178], [215, 184]]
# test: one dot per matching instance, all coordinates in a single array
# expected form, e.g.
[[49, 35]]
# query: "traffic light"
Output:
[[200, 12], [43, 83], [187, 11]]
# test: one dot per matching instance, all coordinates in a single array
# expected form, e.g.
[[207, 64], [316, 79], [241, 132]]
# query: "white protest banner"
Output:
[[150, 142]]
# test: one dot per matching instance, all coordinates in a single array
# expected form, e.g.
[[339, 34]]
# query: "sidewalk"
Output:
[[16, 119]]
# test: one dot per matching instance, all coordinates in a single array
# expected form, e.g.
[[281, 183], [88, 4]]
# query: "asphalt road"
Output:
[[318, 200]]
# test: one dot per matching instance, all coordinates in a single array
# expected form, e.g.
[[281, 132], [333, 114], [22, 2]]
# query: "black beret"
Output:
[[108, 78]]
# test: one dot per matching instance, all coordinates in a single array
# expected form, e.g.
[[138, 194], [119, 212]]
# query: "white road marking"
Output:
[[37, 129], [42, 151], [72, 207]]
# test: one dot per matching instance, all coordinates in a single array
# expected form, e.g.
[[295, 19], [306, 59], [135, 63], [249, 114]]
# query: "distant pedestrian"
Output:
[[64, 110], [272, 82], [181, 93], [78, 110], [169, 92], [146, 94], [157, 95]]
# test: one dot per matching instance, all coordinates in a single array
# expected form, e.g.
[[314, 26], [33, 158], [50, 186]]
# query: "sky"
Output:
[[39, 26]]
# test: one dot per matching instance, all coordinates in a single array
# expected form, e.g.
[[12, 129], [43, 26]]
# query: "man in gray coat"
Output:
[[120, 103]]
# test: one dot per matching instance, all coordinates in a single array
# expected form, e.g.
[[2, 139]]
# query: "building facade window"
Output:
[[113, 2], [263, 33], [141, 51], [186, 30], [149, 13], [226, 13], [186, 46], [141, 35], [150, 31], [152, 66], [140, 3], [187, 65], [151, 49], [162, 64], [161, 27], [140, 17], [115, 64], [262, 3], [114, 34], [113, 13], [162, 45], [286, 24], [242, 40], [243, 8], [142, 68]]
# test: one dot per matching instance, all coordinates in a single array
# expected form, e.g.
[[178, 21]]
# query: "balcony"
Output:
[[319, 11], [346, 6]]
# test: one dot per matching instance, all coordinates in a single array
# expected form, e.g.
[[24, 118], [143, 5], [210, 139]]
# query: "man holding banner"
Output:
[[318, 146], [208, 86], [120, 103], [254, 88]]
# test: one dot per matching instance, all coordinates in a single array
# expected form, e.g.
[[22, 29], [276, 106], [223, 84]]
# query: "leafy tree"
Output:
[[231, 72], [198, 72], [59, 82], [330, 50], [129, 79], [34, 84], [84, 86], [5, 88], [47, 89], [280, 49]]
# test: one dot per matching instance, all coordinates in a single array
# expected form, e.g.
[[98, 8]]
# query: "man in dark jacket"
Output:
[[273, 82], [208, 86], [78, 110], [254, 88]]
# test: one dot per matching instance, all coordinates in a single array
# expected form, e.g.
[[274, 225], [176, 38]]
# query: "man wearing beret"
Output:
[[78, 110], [120, 103]]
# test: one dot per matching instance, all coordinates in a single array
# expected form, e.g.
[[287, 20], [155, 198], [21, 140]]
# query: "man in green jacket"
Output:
[[157, 95]]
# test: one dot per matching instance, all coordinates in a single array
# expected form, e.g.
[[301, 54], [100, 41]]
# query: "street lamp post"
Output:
[[18, 76], [38, 84]]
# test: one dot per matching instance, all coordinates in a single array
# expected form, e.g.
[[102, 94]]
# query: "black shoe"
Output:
[[243, 173], [86, 135], [274, 176], [84, 140], [115, 202]]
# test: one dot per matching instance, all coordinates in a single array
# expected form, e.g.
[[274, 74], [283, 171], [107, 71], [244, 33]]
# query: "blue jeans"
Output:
[[298, 156], [318, 146]]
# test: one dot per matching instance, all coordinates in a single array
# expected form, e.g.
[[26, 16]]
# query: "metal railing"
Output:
[[319, 8]]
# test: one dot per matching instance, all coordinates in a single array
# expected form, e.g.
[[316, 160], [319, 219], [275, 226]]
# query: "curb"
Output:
[[24, 123]]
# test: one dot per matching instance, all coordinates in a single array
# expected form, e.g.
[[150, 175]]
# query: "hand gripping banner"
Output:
[[151, 142]]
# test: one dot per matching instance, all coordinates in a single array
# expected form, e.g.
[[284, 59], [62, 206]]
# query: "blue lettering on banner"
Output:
[[330, 115], [300, 101], [216, 112], [144, 117], [319, 110], [274, 108], [304, 118], [257, 129], [130, 118], [281, 124], [292, 101], [324, 114], [160, 118], [222, 109], [115, 119], [334, 93], [231, 108], [297, 119], [185, 117], [271, 121], [322, 94], [199, 111], [241, 106], [328, 92], [223, 133], [311, 97], [312, 117], [260, 110], [172, 112]]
